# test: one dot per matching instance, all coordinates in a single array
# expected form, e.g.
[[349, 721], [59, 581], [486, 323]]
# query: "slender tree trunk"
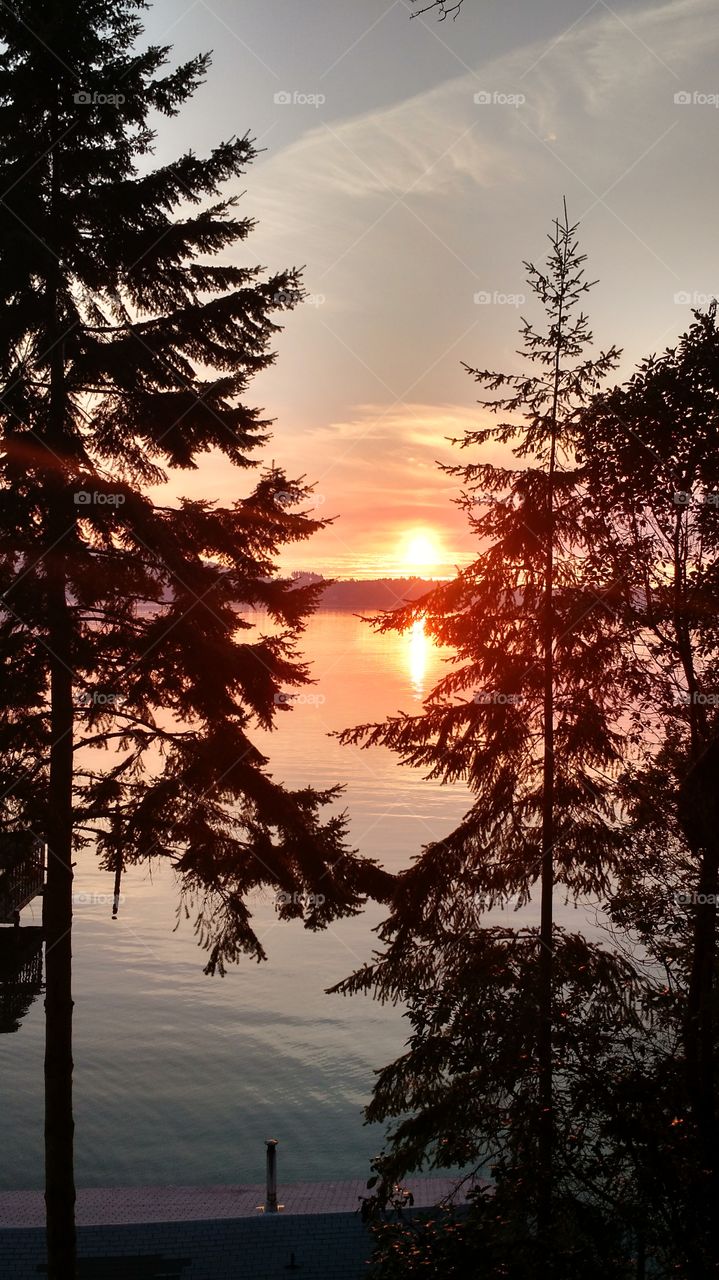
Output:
[[699, 814], [57, 912], [546, 925], [700, 1022], [700, 1049], [57, 915], [546, 942]]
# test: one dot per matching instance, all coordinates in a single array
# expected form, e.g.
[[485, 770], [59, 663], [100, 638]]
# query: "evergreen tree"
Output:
[[131, 327], [650, 456], [635, 1020], [528, 719]]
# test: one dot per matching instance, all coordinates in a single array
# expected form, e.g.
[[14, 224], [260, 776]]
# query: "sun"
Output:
[[420, 550]]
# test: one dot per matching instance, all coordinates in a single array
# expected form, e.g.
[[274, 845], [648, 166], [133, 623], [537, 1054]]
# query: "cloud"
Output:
[[403, 214], [607, 67]]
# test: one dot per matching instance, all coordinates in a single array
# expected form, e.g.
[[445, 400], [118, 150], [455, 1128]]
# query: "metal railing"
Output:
[[22, 872]]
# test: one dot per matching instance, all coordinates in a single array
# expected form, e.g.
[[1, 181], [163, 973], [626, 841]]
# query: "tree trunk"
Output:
[[546, 943], [57, 919], [57, 910], [546, 934], [546, 1119], [699, 816], [700, 1022]]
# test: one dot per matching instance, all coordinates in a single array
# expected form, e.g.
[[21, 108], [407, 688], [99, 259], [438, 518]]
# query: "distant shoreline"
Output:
[[360, 594]]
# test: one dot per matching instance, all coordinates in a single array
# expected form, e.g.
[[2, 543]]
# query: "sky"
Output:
[[411, 166]]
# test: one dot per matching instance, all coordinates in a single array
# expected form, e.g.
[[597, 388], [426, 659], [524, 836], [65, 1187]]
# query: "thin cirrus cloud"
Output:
[[413, 221]]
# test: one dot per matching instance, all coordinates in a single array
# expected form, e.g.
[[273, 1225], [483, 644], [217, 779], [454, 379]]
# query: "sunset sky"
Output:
[[404, 199]]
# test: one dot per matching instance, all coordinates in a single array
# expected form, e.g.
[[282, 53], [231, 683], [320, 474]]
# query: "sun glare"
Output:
[[420, 551]]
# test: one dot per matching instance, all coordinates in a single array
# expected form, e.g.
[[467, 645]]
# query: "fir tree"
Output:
[[131, 327], [650, 457], [528, 718]]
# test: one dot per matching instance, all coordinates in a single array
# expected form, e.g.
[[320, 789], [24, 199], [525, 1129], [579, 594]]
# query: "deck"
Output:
[[218, 1230]]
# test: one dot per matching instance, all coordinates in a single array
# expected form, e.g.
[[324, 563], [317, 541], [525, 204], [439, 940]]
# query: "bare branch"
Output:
[[446, 10]]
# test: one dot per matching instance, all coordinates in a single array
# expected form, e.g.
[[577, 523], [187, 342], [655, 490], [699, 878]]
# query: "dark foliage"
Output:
[[132, 325]]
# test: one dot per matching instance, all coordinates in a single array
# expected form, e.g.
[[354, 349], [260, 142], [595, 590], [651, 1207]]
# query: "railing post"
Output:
[[271, 1206]]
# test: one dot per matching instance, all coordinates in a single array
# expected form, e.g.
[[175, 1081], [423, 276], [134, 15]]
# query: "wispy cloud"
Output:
[[413, 221]]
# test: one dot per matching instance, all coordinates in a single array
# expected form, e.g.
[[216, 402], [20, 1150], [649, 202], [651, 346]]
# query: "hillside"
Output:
[[358, 595]]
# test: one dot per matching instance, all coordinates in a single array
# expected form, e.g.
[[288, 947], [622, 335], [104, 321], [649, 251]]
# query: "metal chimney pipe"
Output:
[[271, 1206]]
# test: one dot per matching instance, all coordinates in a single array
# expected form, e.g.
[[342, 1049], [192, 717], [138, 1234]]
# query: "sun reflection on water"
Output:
[[418, 647]]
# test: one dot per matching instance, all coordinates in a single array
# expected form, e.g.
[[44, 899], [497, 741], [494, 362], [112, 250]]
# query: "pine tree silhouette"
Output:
[[131, 327], [527, 717]]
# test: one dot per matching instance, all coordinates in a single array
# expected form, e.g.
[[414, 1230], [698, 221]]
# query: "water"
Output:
[[179, 1077]]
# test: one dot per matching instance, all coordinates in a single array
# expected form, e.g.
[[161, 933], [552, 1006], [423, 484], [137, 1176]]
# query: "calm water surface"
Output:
[[179, 1078]]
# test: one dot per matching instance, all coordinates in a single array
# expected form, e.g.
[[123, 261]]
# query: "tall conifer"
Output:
[[527, 718], [131, 326]]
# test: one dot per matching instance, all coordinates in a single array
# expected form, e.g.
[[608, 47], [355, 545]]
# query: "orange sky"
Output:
[[410, 168]]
